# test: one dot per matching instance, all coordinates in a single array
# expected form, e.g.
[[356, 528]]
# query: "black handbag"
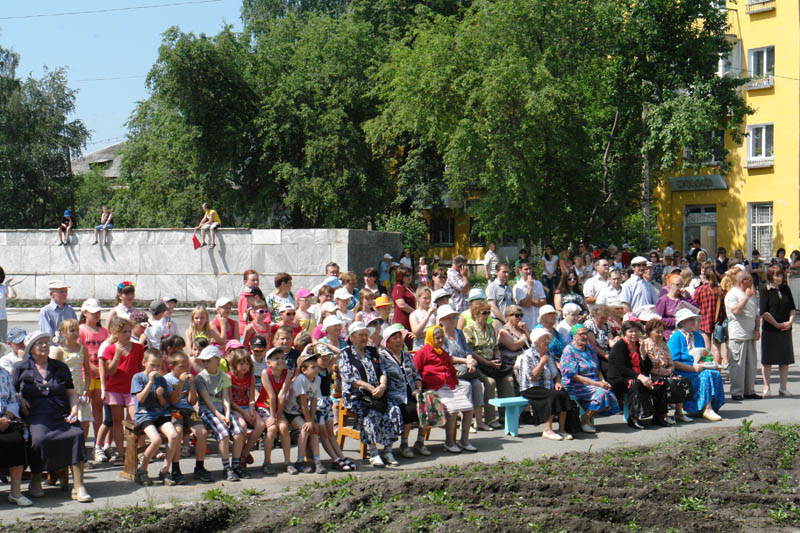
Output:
[[640, 405], [375, 404], [679, 390]]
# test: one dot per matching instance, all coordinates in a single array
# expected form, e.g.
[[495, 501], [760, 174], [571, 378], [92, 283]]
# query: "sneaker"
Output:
[[709, 414], [421, 449], [81, 495], [165, 477], [142, 479], [305, 468], [406, 452], [290, 469], [242, 472], [376, 461], [588, 428], [473, 429], [100, 456], [319, 469], [785, 393], [767, 393], [20, 500], [670, 421], [551, 436], [201, 474], [466, 447], [230, 474], [495, 424], [452, 448], [388, 458], [484, 427], [683, 417], [178, 478], [267, 470]]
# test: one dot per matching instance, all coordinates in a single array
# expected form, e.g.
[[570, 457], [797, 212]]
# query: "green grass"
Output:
[[217, 494]]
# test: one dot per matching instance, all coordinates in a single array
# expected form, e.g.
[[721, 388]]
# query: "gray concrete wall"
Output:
[[163, 261]]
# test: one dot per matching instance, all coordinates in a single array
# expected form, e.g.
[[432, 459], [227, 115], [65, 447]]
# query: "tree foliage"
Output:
[[37, 142]]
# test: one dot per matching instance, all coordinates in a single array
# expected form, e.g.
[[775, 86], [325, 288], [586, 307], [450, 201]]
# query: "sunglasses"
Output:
[[290, 313], [516, 315], [261, 311], [259, 349], [572, 279], [485, 313]]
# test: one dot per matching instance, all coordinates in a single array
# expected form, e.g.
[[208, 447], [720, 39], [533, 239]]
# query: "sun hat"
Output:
[[355, 327], [90, 305], [439, 293], [475, 294], [272, 351], [445, 311], [342, 294], [304, 293], [156, 307], [391, 330], [538, 333], [546, 310], [320, 349], [684, 314], [630, 317], [330, 307], [332, 320], [286, 306], [258, 342], [32, 338], [222, 301], [614, 302], [17, 335], [233, 344], [387, 256], [209, 352], [639, 260], [382, 301], [57, 284], [307, 355], [332, 281], [375, 318]]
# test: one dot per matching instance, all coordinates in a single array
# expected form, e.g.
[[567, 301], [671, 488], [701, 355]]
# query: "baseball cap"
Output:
[[233, 344], [304, 293], [67, 213], [156, 307], [330, 307], [355, 327], [342, 294], [90, 305], [639, 260], [222, 301], [273, 351], [287, 306], [387, 256], [332, 281], [16, 335], [258, 342], [166, 299], [209, 352]]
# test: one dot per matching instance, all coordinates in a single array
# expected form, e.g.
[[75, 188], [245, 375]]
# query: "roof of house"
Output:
[[108, 158]]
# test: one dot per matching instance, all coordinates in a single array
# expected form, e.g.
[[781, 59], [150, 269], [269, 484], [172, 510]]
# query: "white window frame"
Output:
[[751, 53], [752, 212], [763, 159]]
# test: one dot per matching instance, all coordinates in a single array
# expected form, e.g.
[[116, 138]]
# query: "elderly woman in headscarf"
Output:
[[584, 381], [438, 374], [364, 387], [601, 336], [709, 394], [540, 383], [405, 385]]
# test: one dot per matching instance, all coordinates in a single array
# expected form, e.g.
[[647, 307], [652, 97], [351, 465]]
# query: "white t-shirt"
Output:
[[530, 314], [742, 326], [593, 287], [301, 386], [607, 294], [155, 332], [3, 296]]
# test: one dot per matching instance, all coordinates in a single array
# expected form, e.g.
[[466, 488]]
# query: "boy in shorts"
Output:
[[150, 390], [214, 389], [275, 384], [182, 399], [301, 409]]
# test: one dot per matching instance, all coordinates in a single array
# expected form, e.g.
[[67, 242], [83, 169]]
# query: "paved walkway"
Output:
[[110, 490]]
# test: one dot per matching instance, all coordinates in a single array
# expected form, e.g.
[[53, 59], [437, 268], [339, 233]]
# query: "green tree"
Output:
[[37, 143], [92, 192]]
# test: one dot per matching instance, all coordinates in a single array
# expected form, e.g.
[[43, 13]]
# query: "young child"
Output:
[[283, 340], [366, 306], [65, 227], [200, 327], [243, 406], [76, 357], [300, 411], [106, 224], [213, 387], [383, 306], [287, 313], [258, 349], [256, 323], [155, 332], [169, 326], [275, 383], [325, 295], [422, 273], [119, 362], [324, 416], [170, 345], [91, 335], [222, 324], [342, 298], [150, 390], [198, 345], [123, 304], [183, 398], [305, 317]]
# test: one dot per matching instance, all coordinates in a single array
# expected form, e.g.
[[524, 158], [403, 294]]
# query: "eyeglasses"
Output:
[[261, 311], [485, 313], [572, 279], [290, 313], [516, 315]]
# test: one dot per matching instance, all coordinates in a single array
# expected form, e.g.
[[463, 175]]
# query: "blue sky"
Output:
[[119, 44]]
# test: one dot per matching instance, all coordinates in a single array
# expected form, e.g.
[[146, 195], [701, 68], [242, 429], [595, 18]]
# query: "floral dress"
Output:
[[575, 362], [375, 427], [707, 385]]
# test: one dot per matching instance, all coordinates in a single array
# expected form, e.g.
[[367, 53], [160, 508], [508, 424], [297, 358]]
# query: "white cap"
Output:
[[166, 299], [222, 301], [439, 293], [209, 352], [546, 310], [330, 307], [387, 256], [537, 334], [614, 302], [476, 294], [342, 294], [56, 284], [639, 260], [91, 305], [332, 320], [684, 314], [355, 327], [445, 311], [286, 306]]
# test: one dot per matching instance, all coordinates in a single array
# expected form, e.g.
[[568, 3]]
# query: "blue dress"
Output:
[[707, 385], [575, 362]]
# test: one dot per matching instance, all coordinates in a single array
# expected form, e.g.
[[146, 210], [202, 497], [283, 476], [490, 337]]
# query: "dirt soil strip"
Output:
[[728, 480]]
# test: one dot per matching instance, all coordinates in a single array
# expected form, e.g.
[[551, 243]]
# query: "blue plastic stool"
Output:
[[514, 407]]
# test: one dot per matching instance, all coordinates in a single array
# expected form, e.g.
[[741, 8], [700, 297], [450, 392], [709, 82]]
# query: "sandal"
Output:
[[337, 464]]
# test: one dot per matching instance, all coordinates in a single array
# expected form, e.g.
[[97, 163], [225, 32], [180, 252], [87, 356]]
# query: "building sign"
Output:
[[697, 183]]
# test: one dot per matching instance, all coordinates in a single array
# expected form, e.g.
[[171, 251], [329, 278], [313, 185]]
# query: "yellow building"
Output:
[[757, 205]]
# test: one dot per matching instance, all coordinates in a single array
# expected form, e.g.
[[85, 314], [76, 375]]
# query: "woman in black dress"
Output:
[[57, 439], [777, 308]]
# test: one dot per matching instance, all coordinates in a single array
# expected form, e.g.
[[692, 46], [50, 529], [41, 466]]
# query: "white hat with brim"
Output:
[[91, 305], [684, 314], [222, 301], [391, 330], [32, 338], [287, 306], [476, 294], [209, 352], [387, 256], [342, 294], [614, 302], [56, 284], [330, 307], [444, 312], [332, 320], [355, 327], [439, 293], [538, 333], [639, 260], [546, 310]]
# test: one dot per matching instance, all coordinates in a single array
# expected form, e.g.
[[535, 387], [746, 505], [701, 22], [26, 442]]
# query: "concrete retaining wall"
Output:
[[163, 261]]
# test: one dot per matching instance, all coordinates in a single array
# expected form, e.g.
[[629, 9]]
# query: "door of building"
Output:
[[700, 222]]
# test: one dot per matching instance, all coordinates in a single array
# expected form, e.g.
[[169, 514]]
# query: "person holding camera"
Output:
[[743, 332], [458, 283]]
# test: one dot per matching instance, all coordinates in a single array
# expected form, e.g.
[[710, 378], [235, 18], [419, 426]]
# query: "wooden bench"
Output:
[[343, 431], [132, 449], [514, 407]]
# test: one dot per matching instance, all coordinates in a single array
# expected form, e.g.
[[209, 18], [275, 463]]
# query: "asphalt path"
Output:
[[110, 490]]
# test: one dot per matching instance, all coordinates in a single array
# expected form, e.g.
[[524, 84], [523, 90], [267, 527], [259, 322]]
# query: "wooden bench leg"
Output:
[[131, 453]]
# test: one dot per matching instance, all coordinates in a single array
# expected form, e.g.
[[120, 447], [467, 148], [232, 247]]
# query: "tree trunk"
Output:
[[646, 198]]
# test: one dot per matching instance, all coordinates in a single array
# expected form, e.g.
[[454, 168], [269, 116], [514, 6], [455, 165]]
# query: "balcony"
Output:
[[765, 162], [759, 6], [762, 82]]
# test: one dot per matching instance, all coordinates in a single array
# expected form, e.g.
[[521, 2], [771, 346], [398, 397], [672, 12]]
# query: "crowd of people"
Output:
[[603, 331]]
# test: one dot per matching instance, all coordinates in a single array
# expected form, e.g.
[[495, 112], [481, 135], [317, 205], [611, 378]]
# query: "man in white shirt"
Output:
[[529, 294], [490, 262], [743, 332], [638, 292], [612, 290], [597, 283], [499, 293]]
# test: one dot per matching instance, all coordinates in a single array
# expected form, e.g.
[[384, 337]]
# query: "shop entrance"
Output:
[[700, 222]]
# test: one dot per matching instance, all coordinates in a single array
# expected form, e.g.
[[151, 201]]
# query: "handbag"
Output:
[[463, 372], [375, 404], [721, 329], [367, 400], [430, 410], [641, 405], [679, 389]]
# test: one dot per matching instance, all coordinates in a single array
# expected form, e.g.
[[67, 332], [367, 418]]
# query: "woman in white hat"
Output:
[[547, 320], [467, 317], [709, 394], [364, 390], [540, 383], [332, 330]]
